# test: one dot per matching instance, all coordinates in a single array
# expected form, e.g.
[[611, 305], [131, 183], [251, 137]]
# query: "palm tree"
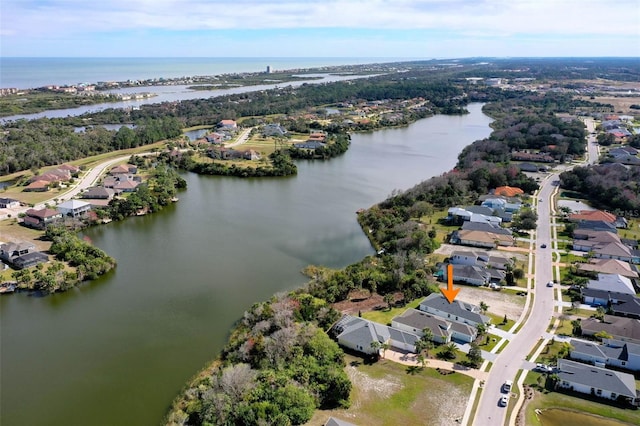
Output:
[[375, 345], [422, 360], [384, 347], [483, 307]]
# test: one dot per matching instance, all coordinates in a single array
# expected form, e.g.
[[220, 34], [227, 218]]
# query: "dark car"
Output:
[[543, 246]]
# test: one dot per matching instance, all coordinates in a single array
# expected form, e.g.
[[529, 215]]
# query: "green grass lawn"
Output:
[[493, 341], [385, 316], [547, 400], [387, 393], [497, 321]]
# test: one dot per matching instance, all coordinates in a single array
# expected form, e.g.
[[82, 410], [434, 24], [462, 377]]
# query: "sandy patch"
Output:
[[369, 387], [500, 302]]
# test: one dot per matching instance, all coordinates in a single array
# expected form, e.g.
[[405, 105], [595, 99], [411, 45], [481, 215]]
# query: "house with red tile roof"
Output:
[[37, 186], [508, 191], [228, 124], [591, 215], [40, 219]]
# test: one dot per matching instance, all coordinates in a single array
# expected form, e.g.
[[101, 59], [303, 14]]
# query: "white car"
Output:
[[506, 387], [550, 284], [504, 401]]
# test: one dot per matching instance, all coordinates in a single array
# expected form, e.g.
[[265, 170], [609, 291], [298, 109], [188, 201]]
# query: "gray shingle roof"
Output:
[[337, 422], [596, 377], [421, 320], [457, 308]]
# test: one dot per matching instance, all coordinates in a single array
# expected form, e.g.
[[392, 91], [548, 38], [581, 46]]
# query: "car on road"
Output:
[[550, 284], [506, 386], [504, 401], [543, 246]]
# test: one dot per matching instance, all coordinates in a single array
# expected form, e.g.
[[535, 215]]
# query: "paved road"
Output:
[[512, 357]]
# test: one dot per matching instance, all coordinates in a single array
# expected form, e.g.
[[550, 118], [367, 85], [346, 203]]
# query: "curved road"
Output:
[[511, 359]]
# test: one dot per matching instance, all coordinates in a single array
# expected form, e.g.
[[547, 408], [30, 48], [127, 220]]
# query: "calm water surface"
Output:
[[118, 350]]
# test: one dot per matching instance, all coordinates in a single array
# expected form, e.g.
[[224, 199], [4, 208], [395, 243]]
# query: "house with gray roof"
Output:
[[415, 321], [74, 208], [621, 328], [458, 311], [611, 352], [468, 274], [596, 381], [358, 334], [597, 297], [628, 308], [8, 203], [99, 193], [612, 282], [337, 422]]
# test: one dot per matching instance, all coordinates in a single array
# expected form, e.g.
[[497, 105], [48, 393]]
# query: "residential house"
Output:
[[610, 266], [468, 274], [590, 215], [481, 239], [583, 227], [228, 124], [597, 381], [251, 155], [70, 168], [74, 208], [612, 282], [533, 157], [611, 353], [125, 186], [486, 227], [629, 308], [507, 191], [463, 258], [337, 422], [99, 193], [8, 203], [37, 186], [500, 203], [123, 169], [597, 297], [620, 328], [358, 334], [21, 255], [415, 322], [310, 144], [9, 251], [274, 129], [215, 138], [459, 312], [40, 219], [30, 259], [604, 245]]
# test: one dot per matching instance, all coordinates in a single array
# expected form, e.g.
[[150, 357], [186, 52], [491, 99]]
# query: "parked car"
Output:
[[506, 386], [504, 401], [550, 284], [543, 246]]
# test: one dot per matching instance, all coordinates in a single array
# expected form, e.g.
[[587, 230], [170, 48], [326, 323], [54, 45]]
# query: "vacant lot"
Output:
[[500, 302], [385, 393]]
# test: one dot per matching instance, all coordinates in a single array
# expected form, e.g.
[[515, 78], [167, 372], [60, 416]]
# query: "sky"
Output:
[[319, 28]]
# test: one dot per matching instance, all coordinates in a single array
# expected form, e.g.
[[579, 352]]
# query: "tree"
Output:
[[481, 328], [505, 319], [576, 325], [448, 351], [483, 307], [600, 311], [475, 355], [384, 346], [375, 345], [422, 360], [388, 299]]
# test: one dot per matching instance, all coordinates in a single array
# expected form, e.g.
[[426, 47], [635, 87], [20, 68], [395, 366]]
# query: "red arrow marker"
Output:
[[450, 293]]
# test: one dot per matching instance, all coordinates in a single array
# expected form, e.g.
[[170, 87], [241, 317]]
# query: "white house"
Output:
[[597, 381], [459, 312], [8, 203], [74, 208], [611, 352], [358, 334]]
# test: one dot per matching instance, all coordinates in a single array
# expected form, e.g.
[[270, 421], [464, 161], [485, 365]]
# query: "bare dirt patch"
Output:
[[370, 387], [359, 302], [500, 302]]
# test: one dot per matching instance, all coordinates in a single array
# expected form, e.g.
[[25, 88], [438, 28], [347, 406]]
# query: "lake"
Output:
[[119, 349]]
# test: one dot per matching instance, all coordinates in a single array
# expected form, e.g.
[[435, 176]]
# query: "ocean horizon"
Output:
[[28, 72]]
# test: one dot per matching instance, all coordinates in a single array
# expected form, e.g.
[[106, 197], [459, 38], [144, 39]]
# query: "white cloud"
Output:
[[589, 17]]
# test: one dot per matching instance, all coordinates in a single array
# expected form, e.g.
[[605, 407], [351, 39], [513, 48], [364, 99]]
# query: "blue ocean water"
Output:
[[24, 73]]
